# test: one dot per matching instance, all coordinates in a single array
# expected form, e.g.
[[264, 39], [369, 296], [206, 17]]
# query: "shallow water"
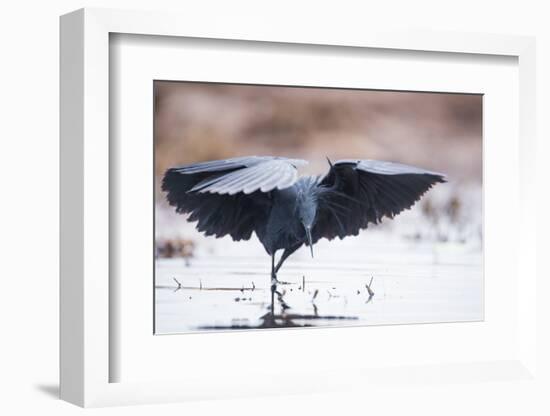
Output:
[[226, 285]]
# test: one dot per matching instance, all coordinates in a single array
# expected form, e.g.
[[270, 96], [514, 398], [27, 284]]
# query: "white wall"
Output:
[[29, 205]]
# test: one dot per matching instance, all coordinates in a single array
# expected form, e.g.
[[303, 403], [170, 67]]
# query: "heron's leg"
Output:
[[273, 290], [286, 254], [273, 271], [273, 284]]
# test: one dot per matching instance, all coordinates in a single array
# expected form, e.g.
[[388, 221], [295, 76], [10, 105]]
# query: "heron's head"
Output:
[[307, 211]]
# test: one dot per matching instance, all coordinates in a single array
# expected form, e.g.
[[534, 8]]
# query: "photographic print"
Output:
[[291, 207]]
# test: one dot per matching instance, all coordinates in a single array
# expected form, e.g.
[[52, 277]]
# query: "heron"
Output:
[[265, 196]]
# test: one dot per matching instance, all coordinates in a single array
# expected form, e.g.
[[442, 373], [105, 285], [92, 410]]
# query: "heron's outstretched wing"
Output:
[[231, 196], [355, 193]]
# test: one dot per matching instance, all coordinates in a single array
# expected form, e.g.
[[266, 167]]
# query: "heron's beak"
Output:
[[308, 235]]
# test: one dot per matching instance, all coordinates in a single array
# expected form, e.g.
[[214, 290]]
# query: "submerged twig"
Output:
[[330, 295], [280, 296]]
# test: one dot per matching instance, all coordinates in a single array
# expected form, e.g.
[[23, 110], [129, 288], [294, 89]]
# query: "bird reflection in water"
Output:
[[285, 318]]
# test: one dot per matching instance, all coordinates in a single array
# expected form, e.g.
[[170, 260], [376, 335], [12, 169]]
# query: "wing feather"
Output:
[[265, 176], [369, 190], [231, 196]]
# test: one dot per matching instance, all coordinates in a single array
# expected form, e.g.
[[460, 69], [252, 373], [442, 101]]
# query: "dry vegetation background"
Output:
[[200, 121]]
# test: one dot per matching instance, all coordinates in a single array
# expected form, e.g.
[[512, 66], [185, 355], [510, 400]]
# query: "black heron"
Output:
[[264, 195]]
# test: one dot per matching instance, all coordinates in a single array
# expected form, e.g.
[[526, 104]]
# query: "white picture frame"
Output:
[[86, 356]]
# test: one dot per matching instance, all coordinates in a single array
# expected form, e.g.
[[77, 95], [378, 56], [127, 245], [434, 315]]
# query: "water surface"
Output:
[[226, 285]]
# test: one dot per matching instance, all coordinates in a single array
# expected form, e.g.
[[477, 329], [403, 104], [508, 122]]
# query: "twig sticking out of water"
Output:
[[200, 284], [177, 282], [371, 292], [313, 301], [253, 286], [303, 283]]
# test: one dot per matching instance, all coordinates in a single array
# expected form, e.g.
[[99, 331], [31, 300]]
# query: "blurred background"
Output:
[[202, 121], [422, 260]]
